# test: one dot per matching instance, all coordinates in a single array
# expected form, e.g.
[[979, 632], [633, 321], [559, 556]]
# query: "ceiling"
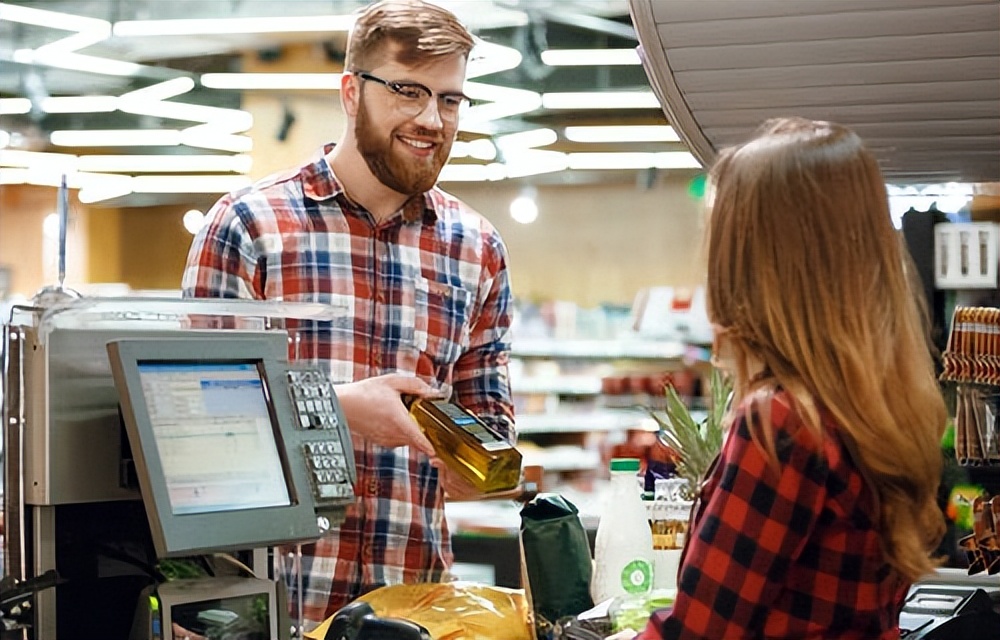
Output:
[[527, 26], [919, 80]]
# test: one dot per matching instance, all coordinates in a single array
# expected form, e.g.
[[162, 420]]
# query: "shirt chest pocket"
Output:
[[441, 320]]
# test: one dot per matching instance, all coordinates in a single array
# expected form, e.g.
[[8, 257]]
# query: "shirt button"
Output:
[[373, 487]]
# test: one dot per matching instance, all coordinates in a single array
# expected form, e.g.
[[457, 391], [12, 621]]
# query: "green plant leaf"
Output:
[[695, 444]]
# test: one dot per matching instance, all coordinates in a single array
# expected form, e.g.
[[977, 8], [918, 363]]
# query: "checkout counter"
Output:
[[138, 430]]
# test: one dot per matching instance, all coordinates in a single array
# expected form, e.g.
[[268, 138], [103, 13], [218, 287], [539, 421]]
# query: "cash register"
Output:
[[952, 606]]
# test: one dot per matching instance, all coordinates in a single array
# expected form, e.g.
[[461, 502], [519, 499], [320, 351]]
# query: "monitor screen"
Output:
[[214, 435], [219, 454]]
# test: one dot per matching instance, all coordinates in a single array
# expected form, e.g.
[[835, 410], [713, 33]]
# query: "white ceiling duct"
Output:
[[919, 80]]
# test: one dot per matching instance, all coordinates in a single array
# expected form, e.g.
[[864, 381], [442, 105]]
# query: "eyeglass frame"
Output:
[[396, 88]]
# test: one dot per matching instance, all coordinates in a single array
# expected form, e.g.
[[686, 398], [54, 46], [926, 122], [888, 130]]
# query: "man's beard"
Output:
[[408, 178]]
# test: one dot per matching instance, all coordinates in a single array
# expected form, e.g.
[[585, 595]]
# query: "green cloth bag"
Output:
[[556, 558]]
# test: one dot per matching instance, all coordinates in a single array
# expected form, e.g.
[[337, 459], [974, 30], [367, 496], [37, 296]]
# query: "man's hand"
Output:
[[456, 488], [374, 410]]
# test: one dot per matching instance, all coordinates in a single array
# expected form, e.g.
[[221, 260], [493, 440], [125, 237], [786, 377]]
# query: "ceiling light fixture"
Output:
[[488, 57], [116, 138], [165, 163], [524, 208], [14, 106], [77, 62], [214, 136], [633, 160], [217, 26], [161, 90], [622, 133], [532, 162], [79, 104], [51, 19], [601, 100], [263, 81], [527, 139], [503, 102], [589, 57]]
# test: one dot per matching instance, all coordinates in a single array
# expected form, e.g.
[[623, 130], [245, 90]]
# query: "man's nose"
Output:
[[430, 115]]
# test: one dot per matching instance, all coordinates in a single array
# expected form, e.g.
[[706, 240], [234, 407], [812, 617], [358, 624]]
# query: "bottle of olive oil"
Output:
[[466, 444]]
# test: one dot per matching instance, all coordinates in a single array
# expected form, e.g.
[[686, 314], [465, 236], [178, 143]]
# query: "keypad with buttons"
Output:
[[320, 426]]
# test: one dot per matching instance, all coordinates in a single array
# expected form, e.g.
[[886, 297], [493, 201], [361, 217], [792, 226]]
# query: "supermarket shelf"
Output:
[[559, 385], [599, 420], [564, 458], [602, 349]]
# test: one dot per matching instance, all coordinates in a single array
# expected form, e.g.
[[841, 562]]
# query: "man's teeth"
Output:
[[417, 143]]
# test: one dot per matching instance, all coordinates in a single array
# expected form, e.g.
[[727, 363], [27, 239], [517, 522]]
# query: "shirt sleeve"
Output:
[[755, 523], [480, 377], [221, 262]]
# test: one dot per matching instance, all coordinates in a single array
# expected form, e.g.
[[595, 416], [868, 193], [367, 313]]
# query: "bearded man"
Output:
[[418, 282]]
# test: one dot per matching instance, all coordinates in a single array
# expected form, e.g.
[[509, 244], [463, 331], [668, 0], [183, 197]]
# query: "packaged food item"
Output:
[[466, 444], [556, 565], [450, 610]]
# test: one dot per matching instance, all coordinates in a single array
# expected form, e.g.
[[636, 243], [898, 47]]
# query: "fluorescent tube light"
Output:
[[503, 102], [211, 136], [12, 106], [237, 118], [251, 81], [463, 173], [488, 57], [4, 139], [80, 104], [166, 163], [13, 176], [51, 19], [77, 62], [77, 41], [31, 159], [116, 138], [161, 90], [622, 133], [188, 184], [589, 57], [601, 100], [527, 139], [633, 160], [216, 26], [530, 162], [676, 160]]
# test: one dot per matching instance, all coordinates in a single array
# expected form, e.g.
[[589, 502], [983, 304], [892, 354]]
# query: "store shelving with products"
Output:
[[576, 399]]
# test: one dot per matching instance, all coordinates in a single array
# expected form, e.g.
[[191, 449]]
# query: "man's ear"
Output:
[[350, 93]]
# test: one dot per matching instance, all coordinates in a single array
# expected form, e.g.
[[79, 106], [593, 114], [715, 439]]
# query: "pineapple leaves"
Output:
[[695, 444]]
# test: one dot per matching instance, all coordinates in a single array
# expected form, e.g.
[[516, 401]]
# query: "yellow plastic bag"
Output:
[[451, 610]]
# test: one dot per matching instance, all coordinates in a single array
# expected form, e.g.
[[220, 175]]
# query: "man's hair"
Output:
[[419, 30], [807, 275]]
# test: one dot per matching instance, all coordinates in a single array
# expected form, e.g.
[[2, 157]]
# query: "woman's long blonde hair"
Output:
[[807, 277]]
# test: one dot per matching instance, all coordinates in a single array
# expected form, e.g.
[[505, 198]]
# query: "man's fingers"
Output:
[[421, 442], [410, 384]]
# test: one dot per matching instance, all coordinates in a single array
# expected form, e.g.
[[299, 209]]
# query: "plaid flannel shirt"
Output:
[[425, 292], [792, 552]]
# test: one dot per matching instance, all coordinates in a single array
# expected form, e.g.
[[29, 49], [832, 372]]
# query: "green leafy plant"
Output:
[[695, 443]]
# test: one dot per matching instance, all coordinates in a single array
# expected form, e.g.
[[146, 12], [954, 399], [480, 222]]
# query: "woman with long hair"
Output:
[[821, 509]]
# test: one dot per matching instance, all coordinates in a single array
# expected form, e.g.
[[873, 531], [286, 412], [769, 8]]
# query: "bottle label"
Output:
[[637, 576]]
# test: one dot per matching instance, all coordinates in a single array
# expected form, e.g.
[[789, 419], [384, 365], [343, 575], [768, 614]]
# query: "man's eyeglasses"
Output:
[[412, 97]]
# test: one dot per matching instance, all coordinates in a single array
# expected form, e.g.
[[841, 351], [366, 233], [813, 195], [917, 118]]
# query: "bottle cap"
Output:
[[625, 464]]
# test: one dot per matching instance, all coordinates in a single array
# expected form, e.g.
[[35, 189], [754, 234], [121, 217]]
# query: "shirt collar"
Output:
[[319, 183]]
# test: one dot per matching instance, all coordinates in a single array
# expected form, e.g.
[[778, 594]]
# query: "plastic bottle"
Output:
[[623, 551]]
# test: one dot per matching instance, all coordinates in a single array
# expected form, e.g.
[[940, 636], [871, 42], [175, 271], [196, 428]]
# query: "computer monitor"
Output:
[[212, 430], [222, 607]]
